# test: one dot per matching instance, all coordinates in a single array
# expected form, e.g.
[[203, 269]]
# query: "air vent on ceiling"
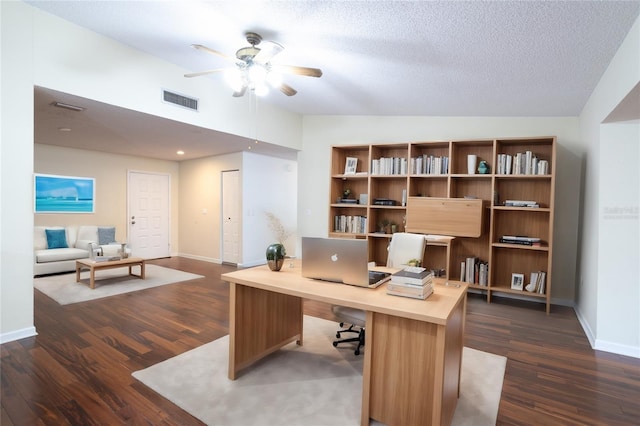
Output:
[[180, 100]]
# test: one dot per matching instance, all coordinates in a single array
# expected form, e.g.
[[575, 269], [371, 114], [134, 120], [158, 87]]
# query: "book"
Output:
[[520, 242], [412, 275], [404, 291], [520, 238]]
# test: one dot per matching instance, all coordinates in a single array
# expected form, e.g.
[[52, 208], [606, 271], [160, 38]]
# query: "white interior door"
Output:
[[148, 207], [231, 196]]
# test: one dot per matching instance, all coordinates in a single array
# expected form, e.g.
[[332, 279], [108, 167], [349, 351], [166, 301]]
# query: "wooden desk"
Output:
[[413, 352]]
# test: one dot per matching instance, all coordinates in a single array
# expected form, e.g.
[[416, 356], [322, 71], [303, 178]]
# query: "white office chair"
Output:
[[403, 248]]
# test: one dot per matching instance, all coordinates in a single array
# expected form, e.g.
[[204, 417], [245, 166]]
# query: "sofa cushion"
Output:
[[84, 244], [56, 238], [40, 236], [106, 235], [60, 254]]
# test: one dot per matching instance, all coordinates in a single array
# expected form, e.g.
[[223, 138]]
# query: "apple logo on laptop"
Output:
[[334, 257]]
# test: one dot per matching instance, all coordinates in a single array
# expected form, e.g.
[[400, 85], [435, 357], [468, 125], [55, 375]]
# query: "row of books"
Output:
[[536, 282], [350, 224], [429, 165], [523, 163], [412, 281], [389, 166], [421, 165], [473, 270]]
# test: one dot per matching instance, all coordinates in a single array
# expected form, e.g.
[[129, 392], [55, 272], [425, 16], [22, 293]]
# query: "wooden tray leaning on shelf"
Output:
[[459, 217]]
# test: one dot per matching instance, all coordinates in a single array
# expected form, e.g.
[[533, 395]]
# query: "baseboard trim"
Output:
[[17, 335], [617, 348], [202, 258]]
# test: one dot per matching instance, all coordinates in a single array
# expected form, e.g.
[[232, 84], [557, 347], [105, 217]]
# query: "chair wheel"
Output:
[[357, 352], [337, 335], [335, 344]]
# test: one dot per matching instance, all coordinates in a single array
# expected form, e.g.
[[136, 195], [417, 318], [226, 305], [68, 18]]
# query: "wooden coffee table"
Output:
[[94, 266]]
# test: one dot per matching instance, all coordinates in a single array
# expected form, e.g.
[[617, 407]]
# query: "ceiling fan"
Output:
[[253, 68]]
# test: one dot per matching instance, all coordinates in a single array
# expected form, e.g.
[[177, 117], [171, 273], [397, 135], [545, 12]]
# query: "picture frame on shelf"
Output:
[[350, 166], [517, 281]]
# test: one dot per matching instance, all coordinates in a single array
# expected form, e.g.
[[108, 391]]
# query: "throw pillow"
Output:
[[56, 238], [106, 235]]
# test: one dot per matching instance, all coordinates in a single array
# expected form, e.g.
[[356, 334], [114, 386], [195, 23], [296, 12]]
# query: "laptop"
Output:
[[340, 260]]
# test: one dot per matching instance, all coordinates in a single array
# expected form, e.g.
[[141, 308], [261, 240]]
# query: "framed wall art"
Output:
[[63, 194]]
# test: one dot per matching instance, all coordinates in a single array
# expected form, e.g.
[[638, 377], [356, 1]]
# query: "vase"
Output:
[[471, 163], [483, 167], [275, 256]]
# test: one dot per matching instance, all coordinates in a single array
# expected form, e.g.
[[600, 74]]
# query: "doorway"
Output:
[[148, 214], [231, 207]]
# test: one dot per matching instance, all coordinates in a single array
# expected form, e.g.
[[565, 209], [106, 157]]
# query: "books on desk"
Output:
[[412, 282]]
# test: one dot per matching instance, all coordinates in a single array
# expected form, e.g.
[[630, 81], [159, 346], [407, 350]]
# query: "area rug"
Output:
[[314, 384], [65, 290]]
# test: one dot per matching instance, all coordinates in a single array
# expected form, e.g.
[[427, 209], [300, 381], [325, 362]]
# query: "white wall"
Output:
[[619, 251], [200, 190], [268, 185], [320, 132], [599, 319], [16, 167]]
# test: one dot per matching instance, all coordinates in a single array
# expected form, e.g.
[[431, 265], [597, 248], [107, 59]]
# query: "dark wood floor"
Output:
[[78, 369]]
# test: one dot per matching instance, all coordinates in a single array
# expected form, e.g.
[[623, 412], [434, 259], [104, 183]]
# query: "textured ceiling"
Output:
[[451, 58]]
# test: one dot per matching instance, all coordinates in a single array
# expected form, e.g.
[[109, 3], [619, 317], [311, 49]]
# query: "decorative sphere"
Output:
[[275, 256]]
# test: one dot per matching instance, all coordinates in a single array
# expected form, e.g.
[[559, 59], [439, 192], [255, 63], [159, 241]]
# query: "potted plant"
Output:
[[383, 225]]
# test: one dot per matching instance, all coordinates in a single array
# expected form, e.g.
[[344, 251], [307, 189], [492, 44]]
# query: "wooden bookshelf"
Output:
[[391, 177]]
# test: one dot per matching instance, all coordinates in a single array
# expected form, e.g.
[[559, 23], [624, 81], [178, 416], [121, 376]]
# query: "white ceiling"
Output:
[[435, 58]]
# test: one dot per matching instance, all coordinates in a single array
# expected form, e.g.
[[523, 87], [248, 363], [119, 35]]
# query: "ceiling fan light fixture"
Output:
[[261, 89], [234, 78], [257, 74]]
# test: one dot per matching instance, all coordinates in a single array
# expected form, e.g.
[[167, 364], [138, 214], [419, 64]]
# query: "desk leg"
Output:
[[260, 322], [92, 277]]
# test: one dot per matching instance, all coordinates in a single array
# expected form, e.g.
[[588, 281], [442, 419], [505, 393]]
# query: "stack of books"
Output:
[[412, 281], [521, 203]]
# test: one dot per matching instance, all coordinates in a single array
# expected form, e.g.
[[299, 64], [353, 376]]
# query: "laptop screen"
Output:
[[342, 260]]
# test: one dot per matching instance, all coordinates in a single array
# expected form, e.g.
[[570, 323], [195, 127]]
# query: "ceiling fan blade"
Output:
[[267, 51], [240, 93], [214, 52], [292, 69], [287, 90], [197, 74]]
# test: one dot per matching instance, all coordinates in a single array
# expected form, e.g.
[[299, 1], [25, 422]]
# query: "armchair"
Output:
[[403, 247]]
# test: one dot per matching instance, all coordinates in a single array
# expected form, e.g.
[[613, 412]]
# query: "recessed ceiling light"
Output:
[[64, 129], [180, 152]]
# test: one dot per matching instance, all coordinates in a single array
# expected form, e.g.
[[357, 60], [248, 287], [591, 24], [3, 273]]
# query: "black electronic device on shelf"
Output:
[[384, 202]]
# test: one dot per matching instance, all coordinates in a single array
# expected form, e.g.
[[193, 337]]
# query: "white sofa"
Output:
[[77, 238]]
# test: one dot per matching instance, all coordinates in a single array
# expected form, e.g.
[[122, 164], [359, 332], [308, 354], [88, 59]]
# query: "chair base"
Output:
[[359, 338]]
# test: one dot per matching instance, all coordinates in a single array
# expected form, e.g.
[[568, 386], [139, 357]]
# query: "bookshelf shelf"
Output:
[[438, 169]]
